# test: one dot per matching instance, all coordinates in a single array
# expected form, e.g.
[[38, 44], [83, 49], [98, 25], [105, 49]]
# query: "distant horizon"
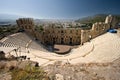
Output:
[[21, 16]]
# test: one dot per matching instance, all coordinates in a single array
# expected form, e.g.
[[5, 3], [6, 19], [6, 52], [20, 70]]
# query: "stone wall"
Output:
[[62, 36], [85, 36], [27, 24], [69, 36], [98, 29]]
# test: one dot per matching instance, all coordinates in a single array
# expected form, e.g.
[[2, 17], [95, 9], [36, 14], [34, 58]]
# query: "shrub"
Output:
[[29, 73]]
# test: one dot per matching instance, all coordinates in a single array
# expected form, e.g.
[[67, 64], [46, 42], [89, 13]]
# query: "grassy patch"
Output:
[[29, 73]]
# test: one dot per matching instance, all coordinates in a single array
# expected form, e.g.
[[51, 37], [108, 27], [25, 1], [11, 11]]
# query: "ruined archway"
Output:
[[62, 41], [70, 41]]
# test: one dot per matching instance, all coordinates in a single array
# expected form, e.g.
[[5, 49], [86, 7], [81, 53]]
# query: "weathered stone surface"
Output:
[[90, 71], [69, 35], [59, 77], [5, 76]]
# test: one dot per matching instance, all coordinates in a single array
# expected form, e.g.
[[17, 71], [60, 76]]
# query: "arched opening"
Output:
[[47, 42], [53, 40], [70, 41], [62, 31], [62, 41]]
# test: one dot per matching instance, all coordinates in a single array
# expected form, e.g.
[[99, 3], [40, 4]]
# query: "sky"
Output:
[[59, 9]]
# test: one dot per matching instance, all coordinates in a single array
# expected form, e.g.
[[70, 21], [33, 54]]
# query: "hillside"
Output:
[[95, 18]]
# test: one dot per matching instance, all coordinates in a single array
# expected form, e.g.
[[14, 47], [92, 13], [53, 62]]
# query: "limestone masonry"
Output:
[[68, 36]]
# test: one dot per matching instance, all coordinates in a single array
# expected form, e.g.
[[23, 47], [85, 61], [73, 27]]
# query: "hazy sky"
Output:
[[59, 8]]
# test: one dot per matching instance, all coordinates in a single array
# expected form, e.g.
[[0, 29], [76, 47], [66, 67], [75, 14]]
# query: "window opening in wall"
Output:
[[62, 42], [53, 40], [70, 41], [62, 31]]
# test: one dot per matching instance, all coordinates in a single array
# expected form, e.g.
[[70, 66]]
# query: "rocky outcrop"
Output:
[[59, 77], [88, 71], [6, 67]]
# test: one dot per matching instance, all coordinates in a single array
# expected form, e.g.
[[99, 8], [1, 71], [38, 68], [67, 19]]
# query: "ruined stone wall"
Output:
[[69, 36], [39, 36], [26, 24], [62, 36], [85, 36], [109, 19], [99, 28], [114, 23], [112, 20]]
